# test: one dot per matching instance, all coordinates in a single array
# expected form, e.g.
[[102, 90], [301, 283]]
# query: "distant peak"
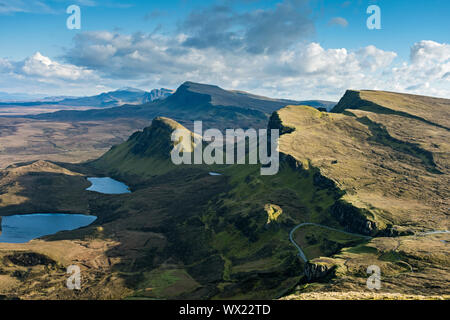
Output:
[[130, 89], [188, 83], [201, 88], [163, 89], [197, 85]]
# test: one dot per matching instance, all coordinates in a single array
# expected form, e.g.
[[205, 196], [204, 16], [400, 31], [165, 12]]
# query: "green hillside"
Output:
[[182, 233], [389, 154], [146, 153]]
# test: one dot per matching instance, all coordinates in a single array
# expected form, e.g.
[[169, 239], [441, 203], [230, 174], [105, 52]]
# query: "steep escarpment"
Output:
[[353, 219], [392, 174], [388, 154], [428, 110], [146, 153], [234, 243]]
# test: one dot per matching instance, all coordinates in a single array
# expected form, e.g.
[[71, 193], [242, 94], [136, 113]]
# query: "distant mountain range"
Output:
[[130, 96], [192, 101]]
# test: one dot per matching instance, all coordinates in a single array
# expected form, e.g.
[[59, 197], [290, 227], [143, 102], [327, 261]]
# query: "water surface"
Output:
[[23, 228], [108, 186]]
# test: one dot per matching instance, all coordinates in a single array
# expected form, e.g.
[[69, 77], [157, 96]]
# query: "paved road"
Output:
[[300, 251], [433, 232]]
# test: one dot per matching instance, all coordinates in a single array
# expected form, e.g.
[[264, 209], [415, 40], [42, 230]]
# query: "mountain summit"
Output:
[[217, 96], [192, 101], [145, 153]]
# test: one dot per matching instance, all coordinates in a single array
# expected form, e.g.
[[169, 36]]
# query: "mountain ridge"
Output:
[[217, 107], [116, 98], [146, 153]]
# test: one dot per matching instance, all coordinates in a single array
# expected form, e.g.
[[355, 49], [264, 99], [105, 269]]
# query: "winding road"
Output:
[[302, 254], [300, 251], [433, 232]]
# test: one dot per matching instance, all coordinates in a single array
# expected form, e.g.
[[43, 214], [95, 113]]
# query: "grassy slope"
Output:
[[145, 154], [186, 234], [397, 182], [228, 247], [219, 243], [248, 243], [390, 154]]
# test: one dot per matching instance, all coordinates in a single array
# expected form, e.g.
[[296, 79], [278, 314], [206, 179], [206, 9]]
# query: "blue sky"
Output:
[[236, 44]]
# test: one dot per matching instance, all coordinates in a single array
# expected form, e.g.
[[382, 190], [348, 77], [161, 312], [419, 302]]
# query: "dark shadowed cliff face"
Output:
[[154, 140], [146, 153]]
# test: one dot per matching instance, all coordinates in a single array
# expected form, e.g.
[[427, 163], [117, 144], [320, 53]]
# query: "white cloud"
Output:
[[40, 74], [167, 62], [305, 70], [43, 67], [427, 51], [15, 6], [5, 66], [373, 58], [427, 72]]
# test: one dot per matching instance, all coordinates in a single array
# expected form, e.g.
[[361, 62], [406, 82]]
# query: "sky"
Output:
[[297, 49]]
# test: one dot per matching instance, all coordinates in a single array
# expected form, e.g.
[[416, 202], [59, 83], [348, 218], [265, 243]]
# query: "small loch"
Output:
[[23, 228], [107, 186]]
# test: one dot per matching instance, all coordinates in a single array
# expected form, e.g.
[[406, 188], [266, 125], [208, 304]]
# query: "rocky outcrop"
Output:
[[350, 100], [155, 139], [354, 219], [276, 123], [159, 94], [317, 270]]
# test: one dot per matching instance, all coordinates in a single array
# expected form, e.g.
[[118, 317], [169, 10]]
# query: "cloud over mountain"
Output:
[[306, 68], [268, 51], [256, 32], [37, 73], [40, 66], [102, 58]]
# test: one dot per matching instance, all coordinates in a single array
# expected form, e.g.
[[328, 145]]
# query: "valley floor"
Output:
[[23, 140]]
